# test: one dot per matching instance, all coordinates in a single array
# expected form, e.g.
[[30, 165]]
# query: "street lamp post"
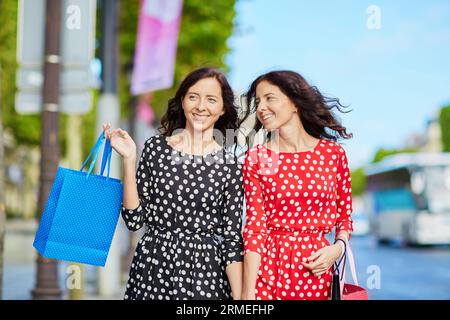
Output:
[[108, 111], [47, 286]]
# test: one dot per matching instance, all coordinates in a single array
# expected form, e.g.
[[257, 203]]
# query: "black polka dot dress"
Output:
[[192, 207]]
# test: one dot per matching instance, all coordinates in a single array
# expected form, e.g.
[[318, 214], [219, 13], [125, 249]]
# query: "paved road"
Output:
[[405, 273], [20, 279]]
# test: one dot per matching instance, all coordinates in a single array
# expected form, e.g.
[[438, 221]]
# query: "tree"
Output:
[[26, 129], [359, 181], [444, 120], [7, 71], [2, 200]]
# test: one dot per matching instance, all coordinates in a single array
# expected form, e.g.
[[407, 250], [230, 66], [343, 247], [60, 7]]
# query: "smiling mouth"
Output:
[[199, 117], [267, 116]]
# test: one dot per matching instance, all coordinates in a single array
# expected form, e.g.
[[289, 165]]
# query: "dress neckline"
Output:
[[182, 153], [296, 152]]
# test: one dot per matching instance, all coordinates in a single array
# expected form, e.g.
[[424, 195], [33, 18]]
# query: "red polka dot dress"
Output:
[[292, 200]]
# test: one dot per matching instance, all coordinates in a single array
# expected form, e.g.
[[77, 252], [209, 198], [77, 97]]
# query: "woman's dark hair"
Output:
[[314, 109], [174, 117]]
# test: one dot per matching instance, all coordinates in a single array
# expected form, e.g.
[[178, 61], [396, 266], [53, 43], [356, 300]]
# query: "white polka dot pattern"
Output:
[[192, 208], [292, 200]]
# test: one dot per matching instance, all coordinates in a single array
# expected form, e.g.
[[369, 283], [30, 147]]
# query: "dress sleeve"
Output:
[[135, 218], [232, 245], [255, 230], [344, 221]]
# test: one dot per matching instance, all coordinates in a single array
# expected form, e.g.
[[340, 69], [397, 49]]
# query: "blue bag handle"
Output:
[[95, 151], [107, 152]]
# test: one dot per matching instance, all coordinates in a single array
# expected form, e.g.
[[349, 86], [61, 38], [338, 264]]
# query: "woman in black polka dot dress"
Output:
[[188, 192]]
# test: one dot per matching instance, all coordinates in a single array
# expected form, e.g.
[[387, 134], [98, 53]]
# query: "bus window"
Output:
[[438, 188], [394, 199]]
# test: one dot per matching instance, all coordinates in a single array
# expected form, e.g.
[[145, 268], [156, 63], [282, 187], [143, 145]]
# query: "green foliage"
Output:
[[382, 153], [444, 120], [128, 23], [359, 181], [26, 129]]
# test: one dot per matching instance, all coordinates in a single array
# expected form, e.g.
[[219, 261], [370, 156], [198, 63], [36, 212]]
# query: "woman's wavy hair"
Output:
[[314, 109], [174, 117]]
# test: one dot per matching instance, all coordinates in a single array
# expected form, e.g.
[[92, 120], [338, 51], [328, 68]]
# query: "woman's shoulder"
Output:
[[331, 145], [255, 149], [154, 144], [254, 154], [154, 140], [333, 149]]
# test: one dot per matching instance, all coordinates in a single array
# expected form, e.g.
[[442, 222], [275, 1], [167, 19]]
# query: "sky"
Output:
[[389, 60]]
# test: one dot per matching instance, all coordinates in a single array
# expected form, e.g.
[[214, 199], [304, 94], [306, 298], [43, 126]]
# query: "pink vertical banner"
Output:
[[156, 45]]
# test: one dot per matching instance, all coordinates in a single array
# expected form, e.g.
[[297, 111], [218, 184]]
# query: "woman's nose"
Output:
[[201, 105], [261, 108]]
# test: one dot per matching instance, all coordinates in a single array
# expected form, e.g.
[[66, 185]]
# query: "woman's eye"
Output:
[[212, 100], [192, 98]]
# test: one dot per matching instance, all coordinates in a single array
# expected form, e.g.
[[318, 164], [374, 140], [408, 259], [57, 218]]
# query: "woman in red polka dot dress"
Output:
[[297, 189]]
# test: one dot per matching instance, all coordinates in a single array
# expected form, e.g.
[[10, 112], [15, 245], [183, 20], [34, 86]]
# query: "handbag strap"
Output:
[[94, 152], [94, 149], [351, 261], [107, 151], [341, 268]]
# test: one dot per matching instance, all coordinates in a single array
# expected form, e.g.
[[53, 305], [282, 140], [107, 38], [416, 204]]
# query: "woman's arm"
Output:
[[232, 245], [135, 191], [255, 231], [344, 204], [130, 193], [344, 235], [234, 273], [323, 259], [252, 260]]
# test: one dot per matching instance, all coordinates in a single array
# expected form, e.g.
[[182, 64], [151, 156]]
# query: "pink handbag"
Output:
[[348, 291]]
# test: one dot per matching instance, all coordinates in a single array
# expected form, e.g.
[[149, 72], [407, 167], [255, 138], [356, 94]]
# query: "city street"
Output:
[[404, 273], [20, 274]]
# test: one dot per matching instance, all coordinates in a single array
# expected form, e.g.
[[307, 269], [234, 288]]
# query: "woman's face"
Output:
[[274, 108], [203, 104]]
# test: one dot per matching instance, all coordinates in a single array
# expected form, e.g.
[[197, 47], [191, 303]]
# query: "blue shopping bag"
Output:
[[81, 213]]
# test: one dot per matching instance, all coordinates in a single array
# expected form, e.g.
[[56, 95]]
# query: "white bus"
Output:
[[408, 198]]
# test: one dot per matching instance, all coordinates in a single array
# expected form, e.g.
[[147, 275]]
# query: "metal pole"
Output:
[[47, 286], [74, 155], [109, 111], [109, 46]]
